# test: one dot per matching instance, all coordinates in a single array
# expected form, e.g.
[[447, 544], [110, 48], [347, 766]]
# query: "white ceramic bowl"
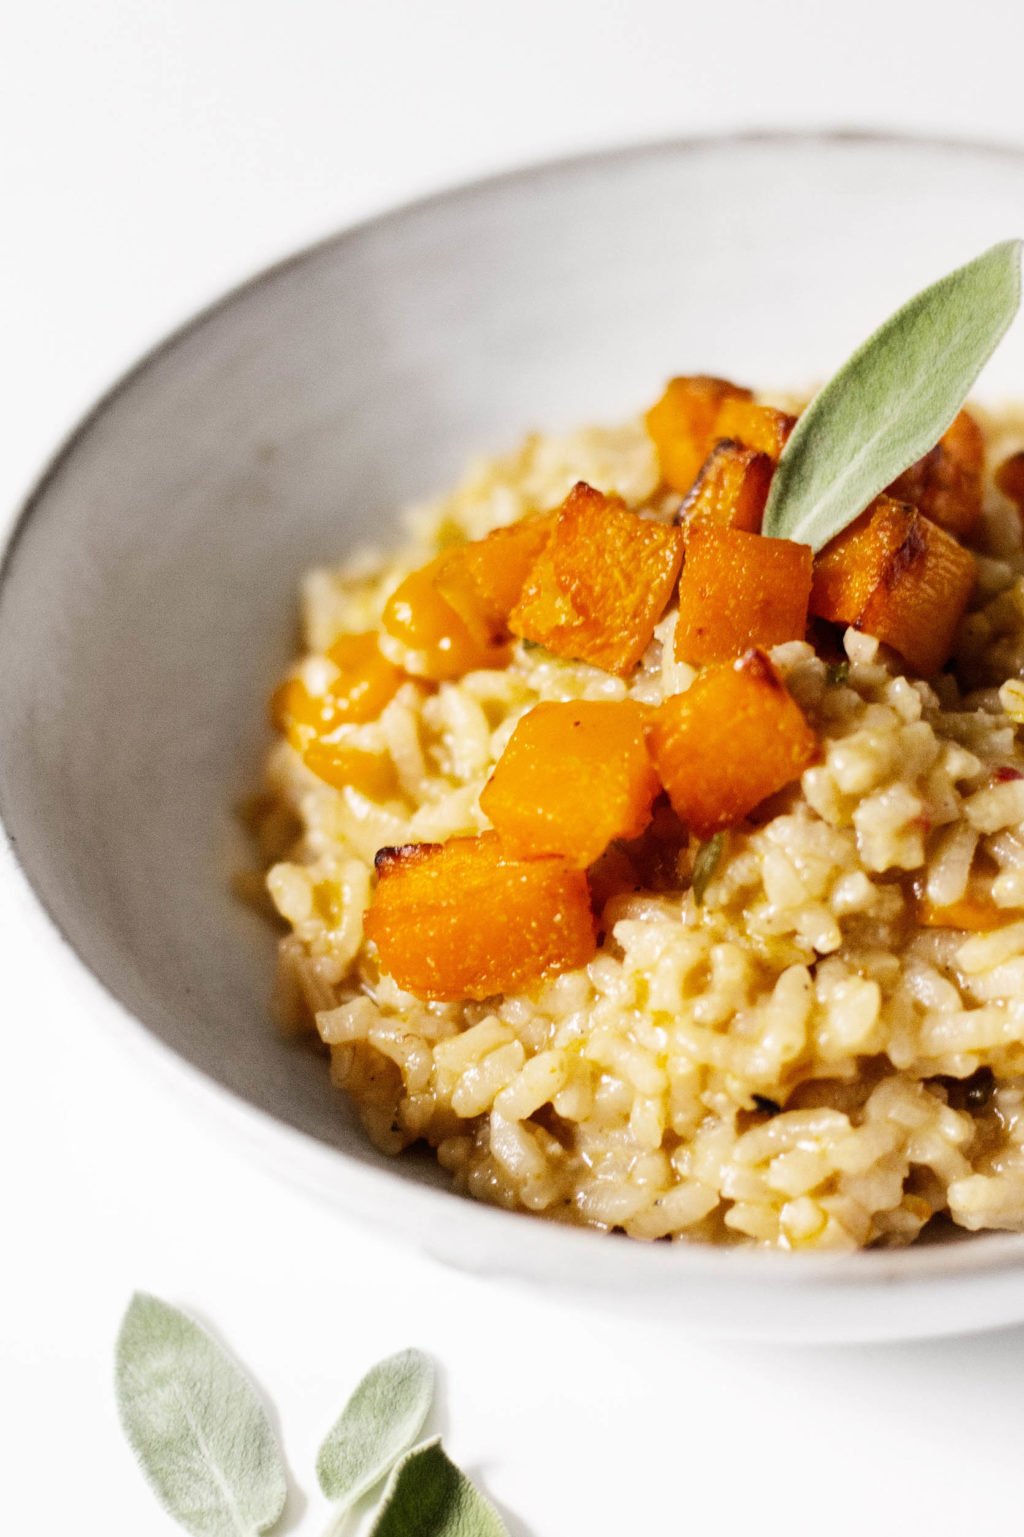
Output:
[[148, 599]]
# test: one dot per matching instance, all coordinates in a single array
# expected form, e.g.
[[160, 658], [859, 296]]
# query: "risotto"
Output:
[[745, 967]]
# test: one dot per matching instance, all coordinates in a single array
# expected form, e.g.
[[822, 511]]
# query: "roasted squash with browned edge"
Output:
[[896, 575], [947, 483], [464, 920], [731, 489], [683, 425], [762, 428]]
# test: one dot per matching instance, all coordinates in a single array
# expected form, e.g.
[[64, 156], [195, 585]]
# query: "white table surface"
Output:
[[151, 155]]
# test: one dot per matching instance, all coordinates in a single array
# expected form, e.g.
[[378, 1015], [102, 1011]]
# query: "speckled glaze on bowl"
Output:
[[148, 597]]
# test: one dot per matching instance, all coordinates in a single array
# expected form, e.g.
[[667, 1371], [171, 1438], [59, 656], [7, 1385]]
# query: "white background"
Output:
[[150, 155]]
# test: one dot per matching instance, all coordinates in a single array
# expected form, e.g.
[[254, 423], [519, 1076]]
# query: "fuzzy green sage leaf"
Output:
[[705, 864], [428, 1496], [196, 1426], [892, 400], [382, 1418]]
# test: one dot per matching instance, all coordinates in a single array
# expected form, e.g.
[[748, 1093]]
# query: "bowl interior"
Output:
[[149, 594]]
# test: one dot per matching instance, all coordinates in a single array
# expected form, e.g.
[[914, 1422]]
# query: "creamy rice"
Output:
[[642, 1092]]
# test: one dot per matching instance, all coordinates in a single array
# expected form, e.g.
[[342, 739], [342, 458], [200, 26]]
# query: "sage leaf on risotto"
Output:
[[382, 1418], [892, 399], [428, 1496], [196, 1425], [709, 856]]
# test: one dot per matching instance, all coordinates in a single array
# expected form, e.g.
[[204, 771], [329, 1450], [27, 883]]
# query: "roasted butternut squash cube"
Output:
[[762, 428], [464, 920], [740, 590], [573, 777], [366, 681], [601, 584], [544, 613], [436, 641], [1009, 477], [298, 714], [345, 767], [898, 576], [482, 580], [682, 425], [731, 489], [946, 484], [735, 737]]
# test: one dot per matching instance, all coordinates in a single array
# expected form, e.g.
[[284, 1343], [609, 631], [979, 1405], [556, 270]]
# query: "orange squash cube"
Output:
[[482, 580], [761, 428], [463, 920], [572, 778], [682, 425], [437, 642], [735, 737], [602, 583], [298, 714], [544, 613], [344, 767], [366, 682], [896, 575], [947, 483], [740, 590], [731, 489]]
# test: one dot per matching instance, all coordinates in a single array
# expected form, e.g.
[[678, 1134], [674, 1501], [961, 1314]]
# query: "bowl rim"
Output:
[[303, 1159]]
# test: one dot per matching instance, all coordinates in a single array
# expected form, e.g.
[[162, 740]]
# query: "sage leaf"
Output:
[[195, 1424], [893, 399], [382, 1418], [708, 858], [428, 1496]]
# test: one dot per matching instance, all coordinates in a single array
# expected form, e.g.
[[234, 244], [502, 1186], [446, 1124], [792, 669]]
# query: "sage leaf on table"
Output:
[[428, 1496], [382, 1418], [195, 1424], [892, 400]]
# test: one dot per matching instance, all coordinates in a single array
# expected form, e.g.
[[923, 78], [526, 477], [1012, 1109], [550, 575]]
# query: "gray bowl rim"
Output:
[[307, 1160]]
